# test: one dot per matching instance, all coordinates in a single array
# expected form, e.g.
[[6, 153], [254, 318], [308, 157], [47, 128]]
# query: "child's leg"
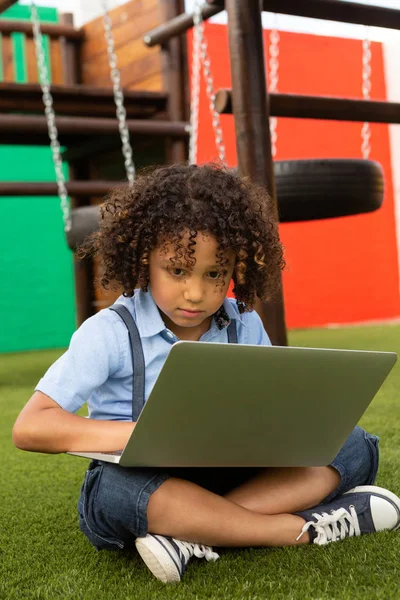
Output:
[[289, 490], [114, 500], [183, 510], [274, 491], [255, 513]]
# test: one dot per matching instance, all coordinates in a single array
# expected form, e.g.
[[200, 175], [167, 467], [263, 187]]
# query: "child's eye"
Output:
[[215, 274], [177, 272]]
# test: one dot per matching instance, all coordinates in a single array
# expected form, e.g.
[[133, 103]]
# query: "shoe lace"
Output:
[[334, 526], [189, 549], [186, 548], [205, 552]]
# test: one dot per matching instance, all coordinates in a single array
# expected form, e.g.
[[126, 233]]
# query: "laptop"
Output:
[[235, 405]]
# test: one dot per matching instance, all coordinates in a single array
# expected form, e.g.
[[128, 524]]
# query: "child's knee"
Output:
[[357, 462], [113, 503]]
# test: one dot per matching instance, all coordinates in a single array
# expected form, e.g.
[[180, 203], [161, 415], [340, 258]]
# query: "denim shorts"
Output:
[[113, 503]]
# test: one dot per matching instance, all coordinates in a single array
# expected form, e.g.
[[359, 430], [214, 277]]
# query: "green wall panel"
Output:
[[37, 303]]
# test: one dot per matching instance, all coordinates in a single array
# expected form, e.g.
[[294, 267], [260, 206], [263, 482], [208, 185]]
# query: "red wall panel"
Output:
[[340, 270]]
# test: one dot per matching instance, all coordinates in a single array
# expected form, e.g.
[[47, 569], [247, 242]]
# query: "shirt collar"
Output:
[[149, 321], [148, 318]]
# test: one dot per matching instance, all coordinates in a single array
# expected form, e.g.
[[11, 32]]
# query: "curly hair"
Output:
[[170, 201]]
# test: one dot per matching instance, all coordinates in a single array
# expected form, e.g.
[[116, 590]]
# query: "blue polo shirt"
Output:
[[97, 367]]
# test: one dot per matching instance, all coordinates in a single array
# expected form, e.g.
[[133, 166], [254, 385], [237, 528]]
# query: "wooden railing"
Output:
[[17, 48]]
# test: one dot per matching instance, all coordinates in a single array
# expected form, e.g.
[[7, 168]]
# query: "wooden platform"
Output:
[[80, 100]]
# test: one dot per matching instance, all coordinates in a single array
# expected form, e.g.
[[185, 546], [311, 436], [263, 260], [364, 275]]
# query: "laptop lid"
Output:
[[240, 405]]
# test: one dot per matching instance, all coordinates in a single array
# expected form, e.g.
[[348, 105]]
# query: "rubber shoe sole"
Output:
[[158, 560]]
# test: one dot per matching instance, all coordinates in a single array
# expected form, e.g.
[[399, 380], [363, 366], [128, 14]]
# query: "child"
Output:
[[173, 243]]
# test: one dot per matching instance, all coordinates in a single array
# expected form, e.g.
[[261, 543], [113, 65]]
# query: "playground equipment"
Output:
[[248, 101], [85, 113], [251, 106]]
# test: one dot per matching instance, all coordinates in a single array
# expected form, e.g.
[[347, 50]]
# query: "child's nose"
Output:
[[194, 292]]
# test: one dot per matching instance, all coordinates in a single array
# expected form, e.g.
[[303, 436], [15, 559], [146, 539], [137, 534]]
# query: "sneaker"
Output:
[[364, 509], [167, 557]]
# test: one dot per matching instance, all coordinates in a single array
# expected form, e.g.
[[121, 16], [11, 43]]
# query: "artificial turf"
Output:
[[43, 555]]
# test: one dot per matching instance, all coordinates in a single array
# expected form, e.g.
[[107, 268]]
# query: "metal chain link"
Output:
[[203, 51], [44, 80], [195, 89], [273, 78], [366, 92], [118, 95]]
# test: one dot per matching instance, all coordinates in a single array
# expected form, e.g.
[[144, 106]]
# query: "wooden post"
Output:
[[83, 269], [174, 70], [251, 112], [70, 53]]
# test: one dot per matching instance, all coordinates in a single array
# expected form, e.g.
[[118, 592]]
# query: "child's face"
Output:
[[187, 297]]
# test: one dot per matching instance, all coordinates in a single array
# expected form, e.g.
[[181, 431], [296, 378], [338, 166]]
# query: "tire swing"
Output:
[[314, 189], [80, 222]]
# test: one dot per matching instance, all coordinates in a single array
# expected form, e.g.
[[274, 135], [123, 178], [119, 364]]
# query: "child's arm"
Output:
[[48, 422], [43, 426]]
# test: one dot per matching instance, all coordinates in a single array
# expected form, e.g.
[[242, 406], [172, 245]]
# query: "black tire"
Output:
[[84, 220], [306, 189], [323, 189]]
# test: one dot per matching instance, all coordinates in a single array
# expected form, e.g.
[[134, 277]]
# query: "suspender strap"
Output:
[[232, 332], [138, 388]]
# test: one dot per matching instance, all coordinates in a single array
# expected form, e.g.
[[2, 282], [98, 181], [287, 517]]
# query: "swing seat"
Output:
[[84, 221], [307, 190]]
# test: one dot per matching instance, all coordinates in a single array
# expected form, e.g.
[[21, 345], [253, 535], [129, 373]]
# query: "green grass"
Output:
[[43, 555]]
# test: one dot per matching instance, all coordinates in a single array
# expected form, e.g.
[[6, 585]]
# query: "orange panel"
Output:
[[56, 62], [341, 270], [7, 58], [31, 61]]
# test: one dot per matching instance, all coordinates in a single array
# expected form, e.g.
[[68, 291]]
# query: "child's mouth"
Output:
[[190, 313]]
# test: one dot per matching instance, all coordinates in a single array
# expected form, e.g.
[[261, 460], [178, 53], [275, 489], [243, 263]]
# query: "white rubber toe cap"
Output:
[[385, 506], [384, 514]]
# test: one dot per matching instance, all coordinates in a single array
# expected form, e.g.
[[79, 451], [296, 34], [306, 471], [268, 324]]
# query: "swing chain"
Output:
[[366, 91], [273, 78], [118, 95], [203, 51], [44, 80], [195, 92]]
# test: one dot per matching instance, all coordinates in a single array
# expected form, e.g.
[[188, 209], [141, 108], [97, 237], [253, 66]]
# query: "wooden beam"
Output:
[[176, 26], [250, 108], [20, 129], [331, 10], [53, 31], [87, 189], [337, 10], [4, 4], [80, 100], [321, 107]]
